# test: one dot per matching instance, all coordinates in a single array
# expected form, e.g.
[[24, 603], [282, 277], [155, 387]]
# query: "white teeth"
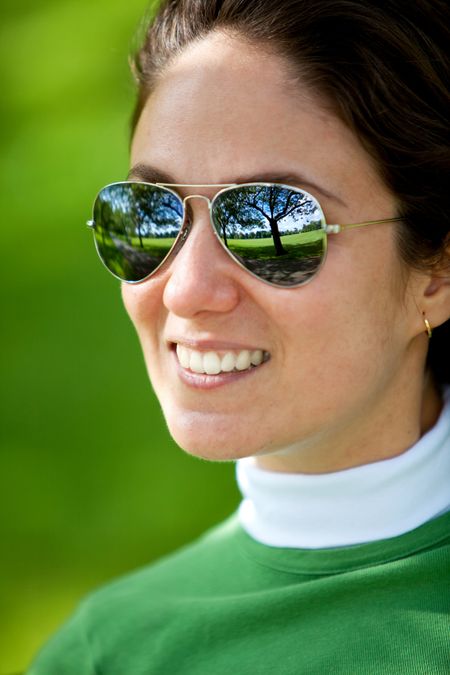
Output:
[[243, 360], [196, 362], [228, 362], [212, 363], [256, 357], [183, 356]]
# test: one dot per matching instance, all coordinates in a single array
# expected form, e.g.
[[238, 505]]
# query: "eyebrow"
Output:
[[150, 174]]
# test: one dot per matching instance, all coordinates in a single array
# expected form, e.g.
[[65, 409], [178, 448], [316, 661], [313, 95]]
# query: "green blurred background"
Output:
[[91, 484]]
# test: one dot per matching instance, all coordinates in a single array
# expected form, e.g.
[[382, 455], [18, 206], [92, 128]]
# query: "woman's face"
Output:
[[341, 349]]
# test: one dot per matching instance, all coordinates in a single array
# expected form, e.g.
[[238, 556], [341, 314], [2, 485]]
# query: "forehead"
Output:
[[224, 108], [218, 77], [221, 86]]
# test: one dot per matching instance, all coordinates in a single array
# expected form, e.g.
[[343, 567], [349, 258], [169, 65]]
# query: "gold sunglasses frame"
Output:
[[184, 231]]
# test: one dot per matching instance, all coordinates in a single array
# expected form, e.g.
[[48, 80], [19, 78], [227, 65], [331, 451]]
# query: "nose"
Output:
[[201, 277]]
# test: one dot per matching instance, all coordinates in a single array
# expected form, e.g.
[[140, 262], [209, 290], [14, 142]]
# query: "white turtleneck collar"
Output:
[[358, 505]]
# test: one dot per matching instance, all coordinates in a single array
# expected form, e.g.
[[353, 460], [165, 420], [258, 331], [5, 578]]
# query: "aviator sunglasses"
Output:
[[276, 232]]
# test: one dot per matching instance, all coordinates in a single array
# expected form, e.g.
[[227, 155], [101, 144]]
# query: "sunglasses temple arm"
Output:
[[335, 229]]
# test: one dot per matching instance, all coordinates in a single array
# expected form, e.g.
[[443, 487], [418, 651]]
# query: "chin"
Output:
[[207, 439]]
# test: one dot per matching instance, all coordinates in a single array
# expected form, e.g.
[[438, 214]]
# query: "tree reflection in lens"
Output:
[[275, 232], [136, 225]]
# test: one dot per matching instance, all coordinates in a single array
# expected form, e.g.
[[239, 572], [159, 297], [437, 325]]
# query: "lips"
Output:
[[215, 362]]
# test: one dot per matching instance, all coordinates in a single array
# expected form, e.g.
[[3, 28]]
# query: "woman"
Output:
[[283, 242]]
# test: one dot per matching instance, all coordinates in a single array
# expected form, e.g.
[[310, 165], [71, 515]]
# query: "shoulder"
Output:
[[112, 619], [200, 569]]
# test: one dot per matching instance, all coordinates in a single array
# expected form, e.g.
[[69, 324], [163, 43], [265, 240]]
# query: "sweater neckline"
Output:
[[423, 540], [363, 504]]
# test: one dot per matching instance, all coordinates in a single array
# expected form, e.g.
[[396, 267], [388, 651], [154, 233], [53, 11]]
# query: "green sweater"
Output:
[[227, 604]]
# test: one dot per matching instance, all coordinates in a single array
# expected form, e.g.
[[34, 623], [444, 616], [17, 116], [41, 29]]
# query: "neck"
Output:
[[366, 503], [380, 429], [431, 405]]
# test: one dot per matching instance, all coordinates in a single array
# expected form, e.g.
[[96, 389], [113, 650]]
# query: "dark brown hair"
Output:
[[384, 69]]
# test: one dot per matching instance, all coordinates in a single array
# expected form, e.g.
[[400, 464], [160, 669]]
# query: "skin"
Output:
[[345, 384]]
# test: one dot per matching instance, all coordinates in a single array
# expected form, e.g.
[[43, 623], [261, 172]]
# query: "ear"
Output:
[[433, 299]]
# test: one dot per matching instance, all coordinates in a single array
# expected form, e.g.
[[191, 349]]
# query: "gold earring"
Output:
[[427, 326]]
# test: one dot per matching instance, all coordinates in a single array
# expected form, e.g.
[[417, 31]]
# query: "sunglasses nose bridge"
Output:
[[188, 211], [198, 197]]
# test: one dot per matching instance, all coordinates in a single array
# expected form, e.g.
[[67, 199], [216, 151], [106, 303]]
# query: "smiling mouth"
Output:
[[215, 363]]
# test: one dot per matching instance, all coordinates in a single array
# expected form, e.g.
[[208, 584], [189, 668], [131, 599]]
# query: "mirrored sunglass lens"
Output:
[[275, 232], [136, 225]]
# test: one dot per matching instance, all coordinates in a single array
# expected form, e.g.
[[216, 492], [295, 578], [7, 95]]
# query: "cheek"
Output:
[[344, 326], [143, 303]]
